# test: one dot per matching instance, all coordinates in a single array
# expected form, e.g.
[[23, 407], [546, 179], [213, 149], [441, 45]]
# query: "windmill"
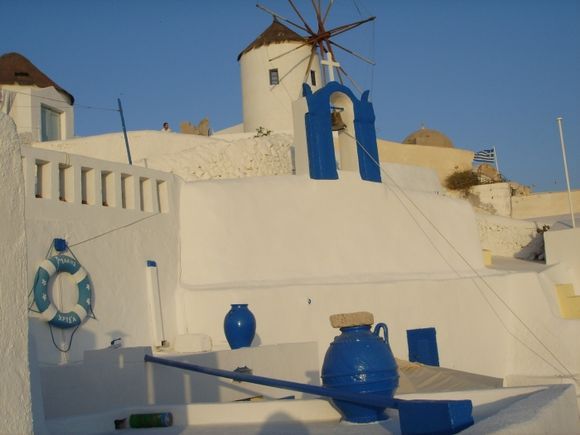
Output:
[[321, 39], [274, 67]]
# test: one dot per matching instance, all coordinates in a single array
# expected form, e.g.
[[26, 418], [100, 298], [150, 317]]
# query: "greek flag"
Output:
[[485, 156]]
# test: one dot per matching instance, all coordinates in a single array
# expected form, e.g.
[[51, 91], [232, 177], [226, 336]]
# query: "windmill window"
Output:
[[313, 77], [274, 78]]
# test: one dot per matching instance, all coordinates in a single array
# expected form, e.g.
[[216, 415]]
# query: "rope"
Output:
[[372, 44], [373, 52], [80, 106], [63, 350], [114, 230], [474, 271]]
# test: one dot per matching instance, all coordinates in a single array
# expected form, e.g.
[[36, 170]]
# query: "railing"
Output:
[[73, 179]]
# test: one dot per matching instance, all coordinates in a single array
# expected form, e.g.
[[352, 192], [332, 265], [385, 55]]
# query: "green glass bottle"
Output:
[[158, 419]]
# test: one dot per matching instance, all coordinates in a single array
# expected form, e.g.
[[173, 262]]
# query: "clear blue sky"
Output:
[[484, 72]]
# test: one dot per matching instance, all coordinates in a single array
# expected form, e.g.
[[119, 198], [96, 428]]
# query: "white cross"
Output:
[[330, 64]]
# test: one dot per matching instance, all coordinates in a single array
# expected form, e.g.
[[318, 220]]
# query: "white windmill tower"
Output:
[[270, 82], [275, 65]]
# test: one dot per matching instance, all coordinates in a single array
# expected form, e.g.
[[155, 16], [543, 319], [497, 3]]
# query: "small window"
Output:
[[274, 78], [50, 123], [313, 77]]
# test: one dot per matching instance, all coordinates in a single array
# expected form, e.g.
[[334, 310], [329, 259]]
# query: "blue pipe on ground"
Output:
[[363, 399]]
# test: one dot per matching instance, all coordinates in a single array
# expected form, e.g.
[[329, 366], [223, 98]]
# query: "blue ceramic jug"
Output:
[[239, 326], [361, 361]]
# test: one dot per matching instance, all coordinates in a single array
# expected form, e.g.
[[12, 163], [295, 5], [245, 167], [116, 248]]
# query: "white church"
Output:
[[300, 223]]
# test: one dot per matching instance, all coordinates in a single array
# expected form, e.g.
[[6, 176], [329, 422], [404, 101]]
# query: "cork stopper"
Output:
[[345, 320]]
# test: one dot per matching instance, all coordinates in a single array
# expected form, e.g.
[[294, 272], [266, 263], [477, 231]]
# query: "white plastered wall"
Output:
[[15, 393], [562, 248], [494, 198], [297, 251], [113, 244], [287, 227], [476, 331], [270, 106]]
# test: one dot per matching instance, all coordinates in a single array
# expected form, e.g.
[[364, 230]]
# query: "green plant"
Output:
[[261, 131], [462, 181]]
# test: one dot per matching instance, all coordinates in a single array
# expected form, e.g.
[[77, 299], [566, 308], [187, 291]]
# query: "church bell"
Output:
[[337, 122]]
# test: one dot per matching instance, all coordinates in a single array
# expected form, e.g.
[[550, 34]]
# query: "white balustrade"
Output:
[[59, 177]]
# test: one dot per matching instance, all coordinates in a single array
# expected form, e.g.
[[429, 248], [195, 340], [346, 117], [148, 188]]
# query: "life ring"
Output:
[[50, 267]]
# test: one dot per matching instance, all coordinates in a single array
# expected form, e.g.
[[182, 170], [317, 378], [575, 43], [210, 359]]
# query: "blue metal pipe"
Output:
[[125, 132], [363, 399]]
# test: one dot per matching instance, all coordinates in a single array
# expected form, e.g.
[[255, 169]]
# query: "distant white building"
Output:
[[41, 110], [273, 68]]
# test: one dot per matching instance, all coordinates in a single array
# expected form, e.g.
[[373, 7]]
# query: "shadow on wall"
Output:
[[48, 390], [535, 250], [281, 422], [46, 342]]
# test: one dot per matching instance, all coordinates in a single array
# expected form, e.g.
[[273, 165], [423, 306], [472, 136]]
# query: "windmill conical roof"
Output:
[[275, 34], [15, 69]]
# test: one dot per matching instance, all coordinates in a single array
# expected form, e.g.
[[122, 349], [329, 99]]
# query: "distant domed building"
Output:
[[428, 137]]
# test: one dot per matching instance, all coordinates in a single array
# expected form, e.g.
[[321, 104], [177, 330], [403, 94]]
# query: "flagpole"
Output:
[[559, 120], [496, 162]]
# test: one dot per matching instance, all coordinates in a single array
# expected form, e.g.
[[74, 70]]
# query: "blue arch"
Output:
[[321, 158]]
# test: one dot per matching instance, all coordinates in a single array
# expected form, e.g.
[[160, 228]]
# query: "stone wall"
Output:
[[509, 237], [246, 157], [544, 204]]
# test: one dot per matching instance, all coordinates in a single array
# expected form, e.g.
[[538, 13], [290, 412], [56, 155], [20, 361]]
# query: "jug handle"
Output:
[[382, 327]]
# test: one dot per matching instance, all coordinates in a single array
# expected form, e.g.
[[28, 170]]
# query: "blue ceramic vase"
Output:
[[360, 361], [239, 326]]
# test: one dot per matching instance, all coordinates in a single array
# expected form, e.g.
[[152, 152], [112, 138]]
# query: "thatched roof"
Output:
[[15, 69], [275, 34]]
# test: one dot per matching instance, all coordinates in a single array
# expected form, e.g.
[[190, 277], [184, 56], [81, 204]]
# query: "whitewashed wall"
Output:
[[27, 108], [65, 199], [281, 228], [494, 198], [475, 330], [15, 393], [296, 250], [270, 106]]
